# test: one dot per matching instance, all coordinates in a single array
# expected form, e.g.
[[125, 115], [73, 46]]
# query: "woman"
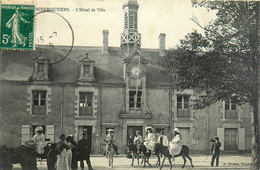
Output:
[[69, 151], [149, 141], [14, 23], [175, 144], [62, 154], [39, 139]]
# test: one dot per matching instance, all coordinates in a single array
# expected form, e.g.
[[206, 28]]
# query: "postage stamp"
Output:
[[17, 27]]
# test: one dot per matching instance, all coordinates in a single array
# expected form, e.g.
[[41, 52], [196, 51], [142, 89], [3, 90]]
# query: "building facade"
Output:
[[99, 88]]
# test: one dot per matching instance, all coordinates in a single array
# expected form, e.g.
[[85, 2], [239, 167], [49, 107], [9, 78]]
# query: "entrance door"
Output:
[[132, 129], [89, 135], [230, 139], [185, 135]]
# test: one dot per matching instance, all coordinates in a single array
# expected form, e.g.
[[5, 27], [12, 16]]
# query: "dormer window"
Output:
[[41, 69], [86, 70]]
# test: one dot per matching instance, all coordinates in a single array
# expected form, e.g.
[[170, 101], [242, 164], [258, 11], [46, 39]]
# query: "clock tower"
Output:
[[135, 92]]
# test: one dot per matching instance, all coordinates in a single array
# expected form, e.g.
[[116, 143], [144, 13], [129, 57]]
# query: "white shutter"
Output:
[[26, 131], [241, 139], [50, 133], [221, 135]]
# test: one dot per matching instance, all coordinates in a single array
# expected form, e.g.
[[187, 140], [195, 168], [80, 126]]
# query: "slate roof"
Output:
[[18, 65]]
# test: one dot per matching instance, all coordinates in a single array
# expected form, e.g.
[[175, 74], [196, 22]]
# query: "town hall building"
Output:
[[100, 88]]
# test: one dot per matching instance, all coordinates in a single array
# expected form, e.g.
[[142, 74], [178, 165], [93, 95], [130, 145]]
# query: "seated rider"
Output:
[[39, 139], [138, 140], [149, 139], [175, 144], [163, 139], [110, 138]]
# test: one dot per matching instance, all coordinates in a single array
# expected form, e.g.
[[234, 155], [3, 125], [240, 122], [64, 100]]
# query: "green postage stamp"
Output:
[[17, 27]]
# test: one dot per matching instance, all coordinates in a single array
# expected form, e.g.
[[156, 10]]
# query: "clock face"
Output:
[[135, 71]]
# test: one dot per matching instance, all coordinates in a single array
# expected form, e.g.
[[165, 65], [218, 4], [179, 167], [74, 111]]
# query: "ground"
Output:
[[231, 162]]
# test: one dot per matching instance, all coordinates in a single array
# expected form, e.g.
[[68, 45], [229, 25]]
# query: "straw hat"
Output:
[[38, 128], [148, 127], [176, 130], [110, 130]]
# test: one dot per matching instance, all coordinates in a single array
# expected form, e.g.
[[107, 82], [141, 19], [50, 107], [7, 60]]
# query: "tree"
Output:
[[224, 62]]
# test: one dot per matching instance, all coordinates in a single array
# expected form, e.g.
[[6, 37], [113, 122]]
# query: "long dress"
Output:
[[150, 141], [62, 163], [175, 145], [39, 139], [69, 155], [17, 37]]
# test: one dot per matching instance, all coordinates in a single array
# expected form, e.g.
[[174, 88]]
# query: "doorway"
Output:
[[185, 135], [230, 139], [81, 129]]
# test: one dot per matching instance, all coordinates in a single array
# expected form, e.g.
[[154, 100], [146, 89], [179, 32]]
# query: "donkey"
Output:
[[159, 148], [133, 150], [23, 155]]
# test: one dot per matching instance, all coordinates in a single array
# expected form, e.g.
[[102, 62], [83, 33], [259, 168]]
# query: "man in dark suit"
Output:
[[84, 151], [215, 151]]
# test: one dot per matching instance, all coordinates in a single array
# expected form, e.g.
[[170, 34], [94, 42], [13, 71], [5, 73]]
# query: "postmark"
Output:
[[17, 27], [56, 28]]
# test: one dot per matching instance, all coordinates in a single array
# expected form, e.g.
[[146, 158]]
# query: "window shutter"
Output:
[[26, 131], [50, 133], [220, 134], [241, 139]]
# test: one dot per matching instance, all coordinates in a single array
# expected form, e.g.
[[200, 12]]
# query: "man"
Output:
[[215, 151], [163, 139], [111, 138], [138, 140], [84, 150], [52, 157], [74, 162]]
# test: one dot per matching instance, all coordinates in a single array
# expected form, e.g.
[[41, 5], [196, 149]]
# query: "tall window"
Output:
[[39, 102], [85, 105], [183, 102], [40, 68], [85, 99], [135, 101], [183, 106], [231, 104], [86, 69], [231, 109]]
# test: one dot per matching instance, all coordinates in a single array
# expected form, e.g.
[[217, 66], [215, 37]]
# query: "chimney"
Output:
[[105, 42], [162, 44]]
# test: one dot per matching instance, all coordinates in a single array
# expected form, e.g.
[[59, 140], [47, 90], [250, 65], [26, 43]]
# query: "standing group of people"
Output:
[[66, 153], [69, 152]]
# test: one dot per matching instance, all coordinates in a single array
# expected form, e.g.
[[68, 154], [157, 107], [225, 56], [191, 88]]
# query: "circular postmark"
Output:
[[54, 38]]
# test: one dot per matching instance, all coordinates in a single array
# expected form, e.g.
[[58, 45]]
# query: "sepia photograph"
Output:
[[129, 84]]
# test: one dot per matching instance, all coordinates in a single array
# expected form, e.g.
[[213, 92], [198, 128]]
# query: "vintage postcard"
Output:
[[126, 84]]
